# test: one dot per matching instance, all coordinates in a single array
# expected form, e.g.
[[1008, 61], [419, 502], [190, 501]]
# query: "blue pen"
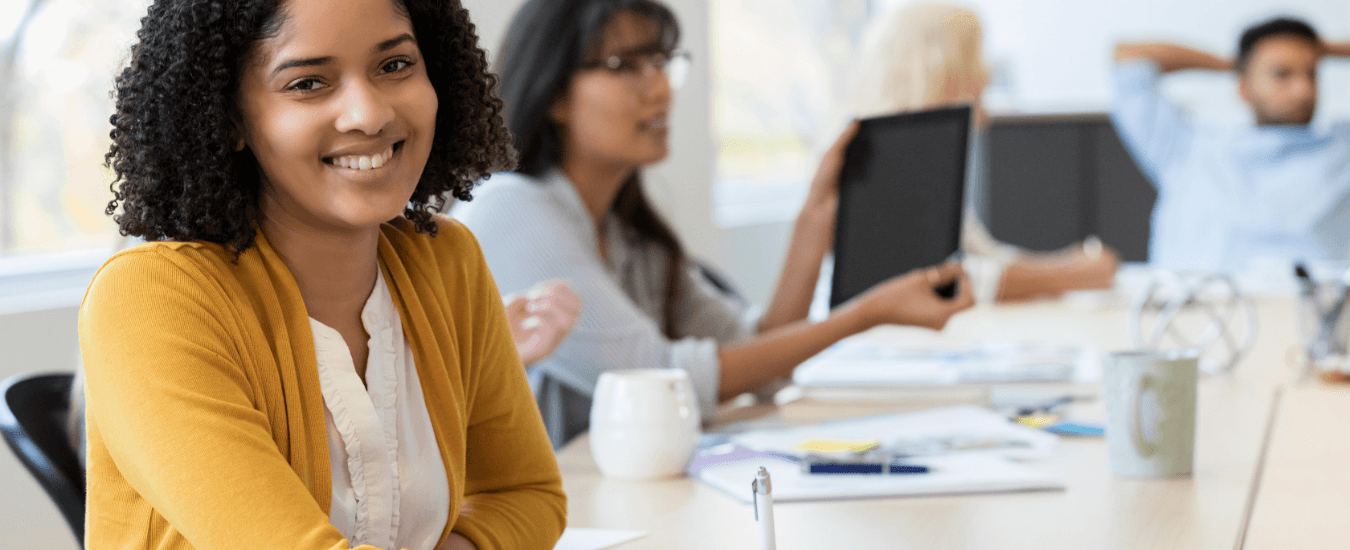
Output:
[[844, 467]]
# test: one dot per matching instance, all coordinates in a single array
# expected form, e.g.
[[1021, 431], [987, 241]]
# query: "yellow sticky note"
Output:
[[837, 445], [1037, 420]]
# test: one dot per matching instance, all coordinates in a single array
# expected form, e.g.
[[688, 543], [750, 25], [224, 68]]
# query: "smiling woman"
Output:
[[304, 355]]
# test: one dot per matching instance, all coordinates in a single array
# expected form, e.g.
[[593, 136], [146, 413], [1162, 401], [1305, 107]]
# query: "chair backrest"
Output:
[[719, 281], [33, 422], [1055, 179]]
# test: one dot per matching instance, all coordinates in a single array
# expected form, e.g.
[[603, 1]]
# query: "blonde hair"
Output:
[[918, 57]]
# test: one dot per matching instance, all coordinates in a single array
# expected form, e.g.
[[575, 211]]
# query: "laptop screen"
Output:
[[901, 197]]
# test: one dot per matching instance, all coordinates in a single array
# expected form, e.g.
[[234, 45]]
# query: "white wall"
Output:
[[32, 342], [491, 17], [1056, 54]]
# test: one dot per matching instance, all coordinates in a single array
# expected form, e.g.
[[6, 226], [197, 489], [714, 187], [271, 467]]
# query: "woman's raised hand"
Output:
[[542, 318], [912, 298], [824, 192]]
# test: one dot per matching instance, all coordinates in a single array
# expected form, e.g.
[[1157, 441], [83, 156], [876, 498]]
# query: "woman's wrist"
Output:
[[817, 215], [855, 316]]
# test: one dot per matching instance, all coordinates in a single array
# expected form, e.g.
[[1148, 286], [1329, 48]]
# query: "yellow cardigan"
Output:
[[205, 420]]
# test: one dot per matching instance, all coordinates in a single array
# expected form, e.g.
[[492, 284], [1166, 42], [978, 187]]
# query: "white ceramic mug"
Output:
[[644, 423], [1150, 412]]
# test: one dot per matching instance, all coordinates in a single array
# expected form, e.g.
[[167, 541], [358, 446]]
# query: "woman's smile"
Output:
[[656, 125], [356, 160]]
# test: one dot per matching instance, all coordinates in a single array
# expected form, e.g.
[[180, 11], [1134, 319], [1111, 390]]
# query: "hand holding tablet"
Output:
[[901, 198]]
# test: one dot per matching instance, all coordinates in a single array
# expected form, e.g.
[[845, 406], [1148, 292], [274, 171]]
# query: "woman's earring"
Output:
[[239, 146]]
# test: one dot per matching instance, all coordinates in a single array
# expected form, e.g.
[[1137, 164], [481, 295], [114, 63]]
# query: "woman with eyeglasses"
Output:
[[588, 89]]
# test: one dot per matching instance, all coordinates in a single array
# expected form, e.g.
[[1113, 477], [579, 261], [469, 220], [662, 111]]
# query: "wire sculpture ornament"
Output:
[[1203, 311]]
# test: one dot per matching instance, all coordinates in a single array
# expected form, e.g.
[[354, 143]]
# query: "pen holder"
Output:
[[644, 423], [1324, 332]]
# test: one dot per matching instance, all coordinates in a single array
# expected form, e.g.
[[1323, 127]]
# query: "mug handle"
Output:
[[1144, 447]]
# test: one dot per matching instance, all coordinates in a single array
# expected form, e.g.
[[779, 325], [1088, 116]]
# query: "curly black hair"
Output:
[[178, 176]]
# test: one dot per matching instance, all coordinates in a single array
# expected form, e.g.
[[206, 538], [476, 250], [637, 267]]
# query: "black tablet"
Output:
[[901, 196]]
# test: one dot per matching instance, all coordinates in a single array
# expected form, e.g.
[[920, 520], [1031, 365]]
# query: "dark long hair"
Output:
[[546, 44], [177, 175]]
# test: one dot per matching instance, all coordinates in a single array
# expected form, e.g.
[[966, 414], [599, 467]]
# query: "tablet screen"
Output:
[[901, 196]]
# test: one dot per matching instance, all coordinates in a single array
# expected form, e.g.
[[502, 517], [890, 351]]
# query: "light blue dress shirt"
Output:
[[1227, 197]]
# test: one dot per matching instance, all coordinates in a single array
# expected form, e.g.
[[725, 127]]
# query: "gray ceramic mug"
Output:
[[1150, 412]]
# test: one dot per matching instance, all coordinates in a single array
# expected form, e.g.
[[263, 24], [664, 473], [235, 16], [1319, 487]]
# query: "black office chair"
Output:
[[33, 421]]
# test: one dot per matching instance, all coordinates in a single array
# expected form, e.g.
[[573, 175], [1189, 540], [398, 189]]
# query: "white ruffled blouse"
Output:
[[390, 488]]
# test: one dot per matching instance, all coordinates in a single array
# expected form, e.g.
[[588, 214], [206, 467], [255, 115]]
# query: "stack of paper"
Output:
[[875, 362]]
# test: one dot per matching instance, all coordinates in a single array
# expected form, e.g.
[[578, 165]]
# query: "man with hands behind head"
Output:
[[1277, 190]]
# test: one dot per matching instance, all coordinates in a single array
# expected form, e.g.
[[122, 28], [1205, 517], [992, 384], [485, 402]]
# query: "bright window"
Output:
[[778, 67], [54, 120]]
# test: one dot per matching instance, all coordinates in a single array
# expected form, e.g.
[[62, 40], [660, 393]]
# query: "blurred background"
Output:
[[746, 132]]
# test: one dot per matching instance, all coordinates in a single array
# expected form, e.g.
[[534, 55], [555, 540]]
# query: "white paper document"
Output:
[[964, 473], [580, 538], [959, 428], [967, 449]]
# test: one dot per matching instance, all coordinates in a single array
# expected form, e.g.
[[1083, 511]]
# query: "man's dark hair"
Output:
[[1280, 26], [178, 176]]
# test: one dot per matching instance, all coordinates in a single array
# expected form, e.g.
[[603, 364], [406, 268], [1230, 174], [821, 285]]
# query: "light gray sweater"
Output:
[[533, 230]]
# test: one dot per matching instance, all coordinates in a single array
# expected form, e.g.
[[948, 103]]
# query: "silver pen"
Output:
[[762, 491]]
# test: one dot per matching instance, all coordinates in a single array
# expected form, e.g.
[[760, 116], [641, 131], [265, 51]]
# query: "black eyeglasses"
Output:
[[637, 66]]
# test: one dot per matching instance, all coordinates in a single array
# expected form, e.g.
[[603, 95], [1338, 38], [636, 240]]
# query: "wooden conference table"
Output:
[[1237, 415], [1305, 489]]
